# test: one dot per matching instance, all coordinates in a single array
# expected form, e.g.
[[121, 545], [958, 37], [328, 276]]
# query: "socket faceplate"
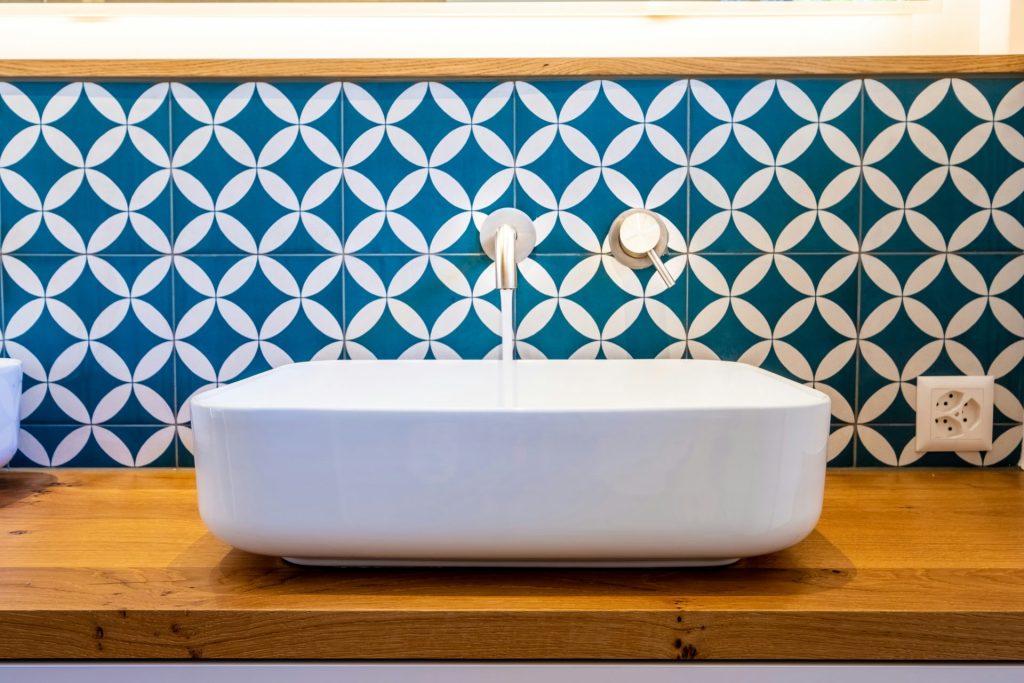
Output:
[[954, 413]]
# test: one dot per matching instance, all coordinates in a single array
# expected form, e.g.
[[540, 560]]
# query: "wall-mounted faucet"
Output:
[[507, 236], [638, 238]]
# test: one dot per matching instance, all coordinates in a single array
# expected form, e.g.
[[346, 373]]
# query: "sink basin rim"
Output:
[[493, 374]]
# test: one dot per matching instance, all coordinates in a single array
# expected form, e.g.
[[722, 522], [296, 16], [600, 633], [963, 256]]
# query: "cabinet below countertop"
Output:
[[904, 565]]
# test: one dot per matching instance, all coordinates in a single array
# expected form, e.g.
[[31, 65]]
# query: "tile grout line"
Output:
[[515, 145], [412, 254], [858, 359], [687, 134], [326, 254], [514, 98], [342, 228], [173, 275]]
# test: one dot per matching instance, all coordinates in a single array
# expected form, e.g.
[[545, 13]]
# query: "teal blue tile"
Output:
[[107, 446], [954, 210], [425, 180], [101, 153], [283, 308], [418, 307], [947, 330], [542, 329], [271, 167], [91, 341], [599, 314], [776, 209], [773, 320], [616, 146]]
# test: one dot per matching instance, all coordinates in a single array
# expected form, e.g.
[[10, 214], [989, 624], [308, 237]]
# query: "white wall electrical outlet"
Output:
[[954, 413]]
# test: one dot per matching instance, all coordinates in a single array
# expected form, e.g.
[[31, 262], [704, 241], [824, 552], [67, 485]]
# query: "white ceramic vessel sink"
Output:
[[636, 462], [10, 401]]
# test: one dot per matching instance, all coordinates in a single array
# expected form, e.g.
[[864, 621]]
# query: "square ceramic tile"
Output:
[[587, 151], [84, 168], [775, 165], [257, 168], [421, 307], [239, 315], [939, 315], [944, 165], [593, 307], [94, 336], [793, 315], [424, 164]]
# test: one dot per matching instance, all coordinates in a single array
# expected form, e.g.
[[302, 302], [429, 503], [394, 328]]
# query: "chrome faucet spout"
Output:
[[505, 266], [508, 237]]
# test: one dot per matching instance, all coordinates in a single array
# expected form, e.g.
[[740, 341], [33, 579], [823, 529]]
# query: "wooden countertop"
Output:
[[510, 67], [903, 565]]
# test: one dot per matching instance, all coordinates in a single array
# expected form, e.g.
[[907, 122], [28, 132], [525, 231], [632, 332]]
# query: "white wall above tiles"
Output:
[[460, 29]]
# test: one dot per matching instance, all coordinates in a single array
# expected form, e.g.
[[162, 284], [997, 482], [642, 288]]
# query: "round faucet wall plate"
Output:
[[618, 249], [640, 233], [526, 234]]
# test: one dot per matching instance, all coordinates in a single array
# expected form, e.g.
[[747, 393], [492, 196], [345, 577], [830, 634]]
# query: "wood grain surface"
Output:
[[904, 565], [507, 67]]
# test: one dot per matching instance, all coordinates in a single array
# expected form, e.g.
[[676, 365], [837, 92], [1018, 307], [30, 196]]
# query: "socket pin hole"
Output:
[[947, 399]]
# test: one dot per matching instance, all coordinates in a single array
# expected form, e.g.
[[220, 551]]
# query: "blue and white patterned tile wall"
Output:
[[157, 239]]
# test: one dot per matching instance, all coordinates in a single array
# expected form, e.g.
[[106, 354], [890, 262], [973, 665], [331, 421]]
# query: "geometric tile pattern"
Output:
[[157, 239]]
